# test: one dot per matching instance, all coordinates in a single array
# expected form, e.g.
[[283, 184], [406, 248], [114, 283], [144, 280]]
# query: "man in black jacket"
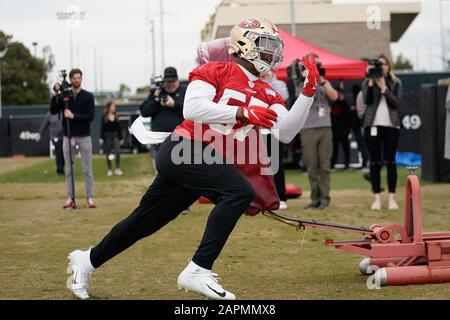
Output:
[[165, 106], [79, 114]]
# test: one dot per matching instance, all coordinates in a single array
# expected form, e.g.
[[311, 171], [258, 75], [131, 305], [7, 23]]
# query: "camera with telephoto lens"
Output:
[[157, 83], [377, 69], [320, 69], [63, 89]]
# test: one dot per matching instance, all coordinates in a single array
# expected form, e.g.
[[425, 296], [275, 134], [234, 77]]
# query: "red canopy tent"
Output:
[[337, 67]]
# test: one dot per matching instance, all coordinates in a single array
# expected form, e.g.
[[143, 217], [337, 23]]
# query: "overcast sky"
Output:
[[117, 31]]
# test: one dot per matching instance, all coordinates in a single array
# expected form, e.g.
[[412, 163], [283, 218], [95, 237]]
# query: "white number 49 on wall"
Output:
[[412, 121]]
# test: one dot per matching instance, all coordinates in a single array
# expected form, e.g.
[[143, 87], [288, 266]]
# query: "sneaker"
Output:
[[283, 205], [70, 204], [118, 172], [203, 281], [376, 205], [90, 203], [81, 269], [392, 205], [313, 205], [109, 173], [324, 203]]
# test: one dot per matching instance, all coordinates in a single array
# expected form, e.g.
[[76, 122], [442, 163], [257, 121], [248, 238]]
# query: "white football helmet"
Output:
[[257, 41]]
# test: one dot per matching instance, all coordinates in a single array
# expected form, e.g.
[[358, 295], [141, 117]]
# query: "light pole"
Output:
[[73, 15], [293, 23], [442, 31], [35, 47], [162, 35], [2, 53], [152, 24]]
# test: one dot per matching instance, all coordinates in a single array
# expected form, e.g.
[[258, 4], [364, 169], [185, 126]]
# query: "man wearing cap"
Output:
[[165, 106]]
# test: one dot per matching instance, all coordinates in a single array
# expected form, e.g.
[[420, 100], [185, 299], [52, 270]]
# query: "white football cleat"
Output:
[[203, 281], [81, 268], [283, 205]]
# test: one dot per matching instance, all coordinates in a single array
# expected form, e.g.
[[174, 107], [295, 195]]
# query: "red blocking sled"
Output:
[[397, 255]]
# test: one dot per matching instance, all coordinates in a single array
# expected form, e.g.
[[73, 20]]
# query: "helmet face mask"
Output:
[[257, 41], [270, 50]]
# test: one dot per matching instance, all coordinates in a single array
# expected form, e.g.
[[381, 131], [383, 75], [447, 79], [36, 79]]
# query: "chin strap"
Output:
[[260, 66]]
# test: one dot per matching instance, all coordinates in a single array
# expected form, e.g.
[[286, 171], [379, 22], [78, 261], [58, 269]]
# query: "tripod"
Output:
[[71, 162]]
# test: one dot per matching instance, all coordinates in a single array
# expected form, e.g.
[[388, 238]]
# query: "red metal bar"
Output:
[[398, 276]]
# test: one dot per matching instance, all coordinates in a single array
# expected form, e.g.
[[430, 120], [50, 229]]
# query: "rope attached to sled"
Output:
[[298, 225]]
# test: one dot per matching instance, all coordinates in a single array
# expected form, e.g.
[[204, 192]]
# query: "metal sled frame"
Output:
[[398, 255]]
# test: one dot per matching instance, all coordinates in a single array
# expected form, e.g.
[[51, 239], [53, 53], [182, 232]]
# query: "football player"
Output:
[[223, 99]]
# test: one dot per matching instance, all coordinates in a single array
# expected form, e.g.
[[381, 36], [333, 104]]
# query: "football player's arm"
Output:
[[199, 105], [290, 122]]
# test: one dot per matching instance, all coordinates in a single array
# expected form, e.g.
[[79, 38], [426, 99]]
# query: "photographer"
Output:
[[316, 138], [382, 92], [164, 105], [78, 115]]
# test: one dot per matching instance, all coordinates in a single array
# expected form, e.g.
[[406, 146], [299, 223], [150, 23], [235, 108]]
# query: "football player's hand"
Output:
[[312, 75], [258, 116]]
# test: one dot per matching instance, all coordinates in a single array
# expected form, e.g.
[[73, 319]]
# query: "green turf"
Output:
[[132, 166], [263, 259], [347, 179]]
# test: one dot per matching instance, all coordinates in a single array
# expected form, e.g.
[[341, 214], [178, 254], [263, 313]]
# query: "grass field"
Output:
[[263, 259]]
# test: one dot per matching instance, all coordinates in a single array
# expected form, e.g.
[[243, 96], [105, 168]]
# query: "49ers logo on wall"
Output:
[[250, 24]]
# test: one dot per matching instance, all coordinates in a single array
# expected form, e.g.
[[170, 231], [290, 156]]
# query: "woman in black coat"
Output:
[[381, 123], [111, 137]]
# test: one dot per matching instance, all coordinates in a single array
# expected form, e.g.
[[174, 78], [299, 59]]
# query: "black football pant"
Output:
[[176, 187]]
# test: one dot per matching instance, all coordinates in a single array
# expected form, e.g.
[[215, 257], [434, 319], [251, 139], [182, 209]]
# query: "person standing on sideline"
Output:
[[80, 113], [165, 106], [279, 177], [340, 124], [316, 137], [382, 97], [53, 123], [111, 138]]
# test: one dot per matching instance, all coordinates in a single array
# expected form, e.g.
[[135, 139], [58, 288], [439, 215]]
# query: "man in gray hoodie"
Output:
[[53, 123]]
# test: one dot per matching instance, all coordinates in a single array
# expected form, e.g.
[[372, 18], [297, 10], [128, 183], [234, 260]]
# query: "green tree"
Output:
[[23, 76], [402, 63], [144, 89]]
